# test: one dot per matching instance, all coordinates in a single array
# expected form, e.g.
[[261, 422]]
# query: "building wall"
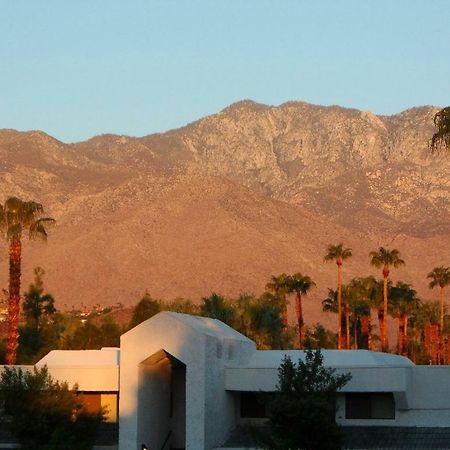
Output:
[[161, 332], [424, 402], [210, 410]]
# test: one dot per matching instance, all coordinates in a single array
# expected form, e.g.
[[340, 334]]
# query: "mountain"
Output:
[[231, 199]]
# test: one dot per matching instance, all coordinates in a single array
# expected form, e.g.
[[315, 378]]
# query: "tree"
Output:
[[319, 337], [44, 414], [300, 285], [147, 307], [181, 305], [36, 305], [442, 135], [403, 303], [216, 307], [16, 217], [279, 286], [260, 319], [89, 336], [386, 259], [440, 276], [339, 254], [302, 412]]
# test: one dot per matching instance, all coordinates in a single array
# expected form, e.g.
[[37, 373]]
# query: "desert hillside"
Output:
[[223, 203]]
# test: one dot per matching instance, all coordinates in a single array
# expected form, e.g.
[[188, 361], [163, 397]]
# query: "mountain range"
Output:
[[225, 202]]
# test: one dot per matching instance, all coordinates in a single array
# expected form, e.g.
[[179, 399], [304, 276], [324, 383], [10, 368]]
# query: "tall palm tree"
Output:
[[300, 285], [339, 254], [16, 217], [440, 276], [442, 135], [278, 285], [386, 259]]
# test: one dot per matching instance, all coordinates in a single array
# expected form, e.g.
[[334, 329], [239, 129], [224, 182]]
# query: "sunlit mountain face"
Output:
[[227, 201]]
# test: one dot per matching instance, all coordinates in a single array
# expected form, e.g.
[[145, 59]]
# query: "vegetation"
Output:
[[16, 217], [440, 276], [44, 414], [299, 285], [302, 411], [386, 259], [423, 329], [146, 308], [339, 254], [441, 138]]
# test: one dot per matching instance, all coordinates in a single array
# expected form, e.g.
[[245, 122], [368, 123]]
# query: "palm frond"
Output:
[[442, 135], [38, 228]]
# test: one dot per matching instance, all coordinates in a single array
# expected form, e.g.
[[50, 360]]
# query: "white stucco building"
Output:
[[187, 382]]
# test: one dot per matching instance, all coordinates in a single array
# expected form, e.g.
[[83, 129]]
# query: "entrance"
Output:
[[162, 402]]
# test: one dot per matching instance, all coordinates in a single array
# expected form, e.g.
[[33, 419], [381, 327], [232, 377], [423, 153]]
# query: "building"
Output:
[[188, 382]]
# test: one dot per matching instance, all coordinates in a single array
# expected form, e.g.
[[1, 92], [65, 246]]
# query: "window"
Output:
[[254, 405], [370, 406]]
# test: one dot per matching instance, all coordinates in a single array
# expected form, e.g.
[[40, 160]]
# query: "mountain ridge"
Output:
[[297, 176]]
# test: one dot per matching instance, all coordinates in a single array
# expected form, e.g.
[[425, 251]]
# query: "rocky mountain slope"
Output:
[[223, 203]]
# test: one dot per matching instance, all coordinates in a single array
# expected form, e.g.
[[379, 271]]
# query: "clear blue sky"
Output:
[[77, 68]]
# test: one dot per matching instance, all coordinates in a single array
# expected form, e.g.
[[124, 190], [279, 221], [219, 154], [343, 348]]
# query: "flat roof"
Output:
[[271, 359], [106, 357]]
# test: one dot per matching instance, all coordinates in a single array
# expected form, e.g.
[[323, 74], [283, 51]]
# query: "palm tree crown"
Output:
[[440, 276], [338, 253], [386, 258], [17, 215], [442, 134]]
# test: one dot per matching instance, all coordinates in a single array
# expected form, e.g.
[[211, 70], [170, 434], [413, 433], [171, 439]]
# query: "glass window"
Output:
[[370, 406]]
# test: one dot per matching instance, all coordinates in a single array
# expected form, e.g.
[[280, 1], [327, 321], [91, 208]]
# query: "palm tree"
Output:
[[442, 135], [403, 304], [338, 253], [372, 294], [440, 276], [300, 284], [278, 285], [16, 217], [386, 259]]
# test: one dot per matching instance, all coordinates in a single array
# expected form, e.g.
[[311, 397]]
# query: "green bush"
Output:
[[302, 411], [45, 414]]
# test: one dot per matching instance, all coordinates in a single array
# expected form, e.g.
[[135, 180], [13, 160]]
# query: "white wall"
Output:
[[206, 350], [162, 332]]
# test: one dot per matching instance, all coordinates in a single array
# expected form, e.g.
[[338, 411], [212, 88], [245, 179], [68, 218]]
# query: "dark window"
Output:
[[254, 405], [370, 406]]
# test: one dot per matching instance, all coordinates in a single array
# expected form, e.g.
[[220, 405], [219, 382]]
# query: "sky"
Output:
[[78, 68]]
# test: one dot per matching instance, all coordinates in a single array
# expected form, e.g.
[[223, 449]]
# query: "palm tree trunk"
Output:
[[369, 334], [384, 331], [340, 337], [15, 251], [404, 349], [441, 326], [365, 331], [381, 321], [399, 344], [347, 326], [299, 311]]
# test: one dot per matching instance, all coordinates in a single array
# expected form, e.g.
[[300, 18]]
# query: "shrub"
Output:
[[45, 414]]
